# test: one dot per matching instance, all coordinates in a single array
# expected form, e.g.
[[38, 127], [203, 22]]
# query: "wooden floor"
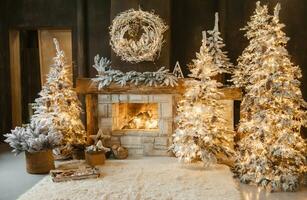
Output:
[[14, 181]]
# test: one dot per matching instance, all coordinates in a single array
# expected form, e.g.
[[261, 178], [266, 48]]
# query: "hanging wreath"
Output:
[[137, 35]]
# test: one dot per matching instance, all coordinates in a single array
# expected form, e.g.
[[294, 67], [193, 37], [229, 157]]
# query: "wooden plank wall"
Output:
[[15, 76]]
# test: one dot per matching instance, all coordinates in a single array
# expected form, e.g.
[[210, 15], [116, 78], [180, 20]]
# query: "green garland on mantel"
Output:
[[107, 75]]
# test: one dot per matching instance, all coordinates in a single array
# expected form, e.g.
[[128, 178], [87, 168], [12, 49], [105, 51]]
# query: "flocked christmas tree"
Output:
[[201, 134], [58, 105], [272, 153], [216, 45], [256, 32]]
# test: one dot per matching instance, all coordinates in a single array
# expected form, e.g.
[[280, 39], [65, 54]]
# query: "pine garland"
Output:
[[107, 75]]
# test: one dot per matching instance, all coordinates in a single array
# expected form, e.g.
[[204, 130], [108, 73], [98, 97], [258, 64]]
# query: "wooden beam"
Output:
[[86, 86], [91, 115], [15, 77]]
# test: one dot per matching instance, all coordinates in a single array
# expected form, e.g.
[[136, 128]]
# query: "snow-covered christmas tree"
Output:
[[216, 45], [58, 106], [256, 31], [272, 153], [201, 134]]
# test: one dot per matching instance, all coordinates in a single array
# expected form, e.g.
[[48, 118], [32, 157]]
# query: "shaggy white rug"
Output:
[[161, 178]]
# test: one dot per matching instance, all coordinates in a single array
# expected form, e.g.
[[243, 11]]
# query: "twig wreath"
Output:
[[137, 35]]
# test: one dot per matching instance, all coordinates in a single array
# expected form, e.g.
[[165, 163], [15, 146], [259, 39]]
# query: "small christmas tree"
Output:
[[256, 31], [201, 134], [272, 152], [215, 45], [58, 106]]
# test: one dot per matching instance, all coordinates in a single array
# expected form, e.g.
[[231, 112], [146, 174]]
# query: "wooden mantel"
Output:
[[86, 86]]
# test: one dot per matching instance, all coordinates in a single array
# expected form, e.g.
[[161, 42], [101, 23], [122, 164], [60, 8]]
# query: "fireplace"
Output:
[[135, 116], [122, 113], [143, 123]]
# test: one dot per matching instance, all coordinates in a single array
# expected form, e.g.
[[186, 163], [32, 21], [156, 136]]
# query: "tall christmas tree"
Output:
[[201, 134], [256, 31], [58, 106], [216, 45], [272, 153]]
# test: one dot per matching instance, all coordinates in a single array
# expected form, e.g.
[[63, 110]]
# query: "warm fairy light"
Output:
[[201, 133], [58, 105], [271, 151]]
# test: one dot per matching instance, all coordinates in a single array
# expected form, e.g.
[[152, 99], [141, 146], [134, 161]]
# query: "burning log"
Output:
[[142, 120]]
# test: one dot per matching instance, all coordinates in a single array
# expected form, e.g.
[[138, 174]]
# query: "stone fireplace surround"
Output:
[[139, 142], [98, 106]]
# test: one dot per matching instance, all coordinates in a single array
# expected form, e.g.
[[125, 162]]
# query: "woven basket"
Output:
[[39, 162], [95, 158]]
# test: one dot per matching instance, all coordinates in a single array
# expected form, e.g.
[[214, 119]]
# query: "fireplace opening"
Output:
[[135, 116]]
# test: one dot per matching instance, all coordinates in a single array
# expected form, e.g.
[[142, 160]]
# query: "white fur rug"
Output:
[[161, 178]]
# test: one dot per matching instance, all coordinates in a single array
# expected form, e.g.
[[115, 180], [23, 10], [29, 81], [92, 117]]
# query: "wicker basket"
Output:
[[95, 158], [39, 162]]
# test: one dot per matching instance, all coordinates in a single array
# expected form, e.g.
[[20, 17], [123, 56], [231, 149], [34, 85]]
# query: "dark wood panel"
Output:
[[30, 70], [189, 19], [98, 22], [5, 91]]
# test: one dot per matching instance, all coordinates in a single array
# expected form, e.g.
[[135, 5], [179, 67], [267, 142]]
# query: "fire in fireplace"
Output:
[[142, 120], [137, 116]]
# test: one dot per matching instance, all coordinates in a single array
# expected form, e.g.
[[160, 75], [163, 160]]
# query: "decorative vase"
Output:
[[39, 162], [95, 158], [78, 154]]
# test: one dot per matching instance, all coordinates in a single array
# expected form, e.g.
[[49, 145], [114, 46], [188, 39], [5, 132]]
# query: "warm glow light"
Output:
[[143, 122]]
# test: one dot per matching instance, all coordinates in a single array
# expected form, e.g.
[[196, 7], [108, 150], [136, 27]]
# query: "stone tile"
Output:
[[123, 98], [156, 152], [148, 149], [106, 122], [104, 98], [110, 110], [151, 99], [161, 141], [160, 147], [115, 139], [103, 110], [115, 98], [135, 151], [166, 110], [166, 127], [132, 141], [105, 128], [118, 133], [148, 139], [163, 98], [137, 98]]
